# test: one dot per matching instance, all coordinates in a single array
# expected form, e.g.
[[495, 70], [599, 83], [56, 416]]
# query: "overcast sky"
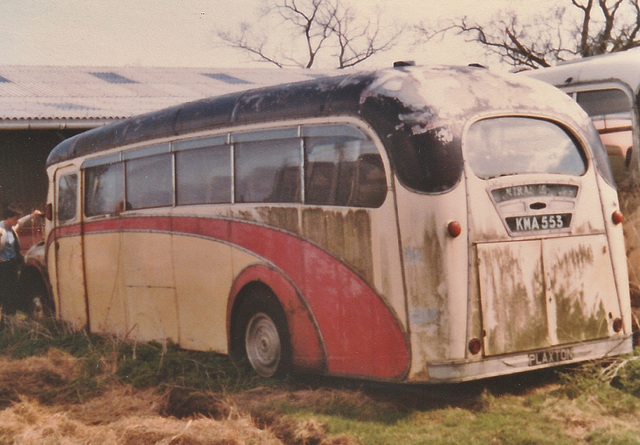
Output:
[[183, 32]]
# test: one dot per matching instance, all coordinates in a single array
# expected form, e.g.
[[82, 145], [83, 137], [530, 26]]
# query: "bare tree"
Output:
[[581, 28], [309, 27]]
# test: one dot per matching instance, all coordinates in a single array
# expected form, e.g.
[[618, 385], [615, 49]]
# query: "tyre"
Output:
[[261, 336]]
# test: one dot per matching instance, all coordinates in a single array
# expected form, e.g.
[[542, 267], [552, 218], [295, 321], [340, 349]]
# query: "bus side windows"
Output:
[[268, 171], [150, 181], [344, 171], [104, 188], [67, 197], [370, 182], [203, 176], [342, 167]]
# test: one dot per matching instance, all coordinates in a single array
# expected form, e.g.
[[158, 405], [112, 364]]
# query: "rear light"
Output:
[[617, 217], [48, 212], [617, 325], [475, 346], [454, 228]]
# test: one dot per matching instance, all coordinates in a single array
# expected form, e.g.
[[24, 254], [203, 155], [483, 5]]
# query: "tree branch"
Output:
[[612, 25], [317, 26]]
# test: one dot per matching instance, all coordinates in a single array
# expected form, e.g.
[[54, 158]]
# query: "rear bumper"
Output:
[[464, 370]]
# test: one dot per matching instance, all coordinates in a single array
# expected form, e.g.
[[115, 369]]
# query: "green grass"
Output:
[[142, 365], [593, 403]]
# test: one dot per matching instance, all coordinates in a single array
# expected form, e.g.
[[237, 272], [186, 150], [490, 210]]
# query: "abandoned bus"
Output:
[[607, 88], [412, 224]]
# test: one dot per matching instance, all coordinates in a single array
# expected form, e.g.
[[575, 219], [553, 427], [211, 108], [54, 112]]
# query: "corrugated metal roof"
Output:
[[89, 95]]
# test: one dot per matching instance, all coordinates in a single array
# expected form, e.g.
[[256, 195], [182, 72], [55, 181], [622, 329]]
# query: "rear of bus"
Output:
[[536, 220], [545, 229]]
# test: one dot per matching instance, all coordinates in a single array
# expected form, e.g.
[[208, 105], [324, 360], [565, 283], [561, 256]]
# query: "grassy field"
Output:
[[64, 387]]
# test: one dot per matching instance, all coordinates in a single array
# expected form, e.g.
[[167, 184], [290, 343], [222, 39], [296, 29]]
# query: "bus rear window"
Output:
[[516, 145]]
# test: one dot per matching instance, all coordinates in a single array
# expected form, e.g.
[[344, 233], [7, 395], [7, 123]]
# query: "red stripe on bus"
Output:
[[361, 334]]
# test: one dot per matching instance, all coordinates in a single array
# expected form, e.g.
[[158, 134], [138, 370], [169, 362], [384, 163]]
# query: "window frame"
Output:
[[65, 173], [556, 125], [229, 138]]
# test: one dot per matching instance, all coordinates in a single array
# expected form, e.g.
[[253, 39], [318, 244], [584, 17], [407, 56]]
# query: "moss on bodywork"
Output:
[[571, 263], [284, 218], [579, 316], [577, 323], [513, 299], [346, 234]]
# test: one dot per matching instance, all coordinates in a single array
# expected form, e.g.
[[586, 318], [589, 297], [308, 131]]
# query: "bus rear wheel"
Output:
[[261, 335]]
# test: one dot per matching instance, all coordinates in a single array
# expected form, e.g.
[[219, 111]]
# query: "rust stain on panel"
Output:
[[345, 234], [285, 218]]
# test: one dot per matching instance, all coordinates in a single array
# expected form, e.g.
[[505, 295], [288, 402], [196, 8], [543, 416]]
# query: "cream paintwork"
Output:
[[146, 270], [386, 254], [522, 292], [72, 307], [66, 260], [617, 251], [203, 275], [105, 288], [435, 267], [190, 312]]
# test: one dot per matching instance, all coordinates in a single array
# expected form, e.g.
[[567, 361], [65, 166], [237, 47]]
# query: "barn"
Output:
[[42, 105]]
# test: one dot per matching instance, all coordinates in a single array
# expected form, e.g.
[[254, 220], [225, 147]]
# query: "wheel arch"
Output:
[[307, 349], [34, 276]]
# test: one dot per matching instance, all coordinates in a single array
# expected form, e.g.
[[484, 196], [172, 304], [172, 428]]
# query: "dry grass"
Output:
[[44, 400], [36, 411], [41, 378], [28, 422]]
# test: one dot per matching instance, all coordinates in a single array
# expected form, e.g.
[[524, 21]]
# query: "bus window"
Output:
[[513, 145], [67, 197], [603, 103], [268, 171], [149, 182], [104, 189], [203, 176], [343, 171], [610, 111]]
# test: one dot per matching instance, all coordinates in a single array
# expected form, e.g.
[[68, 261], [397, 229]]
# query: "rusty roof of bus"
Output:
[[620, 66], [434, 99]]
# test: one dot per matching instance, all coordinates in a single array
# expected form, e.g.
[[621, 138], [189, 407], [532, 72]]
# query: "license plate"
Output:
[[539, 222], [550, 356]]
